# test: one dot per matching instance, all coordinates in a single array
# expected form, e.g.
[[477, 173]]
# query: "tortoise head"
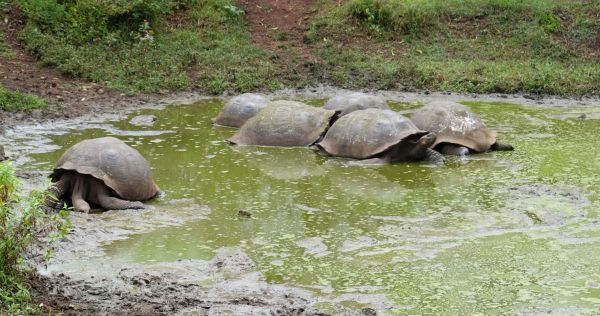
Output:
[[426, 141], [413, 147]]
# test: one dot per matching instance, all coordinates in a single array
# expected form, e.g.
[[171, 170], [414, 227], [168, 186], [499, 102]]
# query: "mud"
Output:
[[227, 284]]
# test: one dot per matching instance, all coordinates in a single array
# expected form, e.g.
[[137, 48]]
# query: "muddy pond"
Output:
[[495, 233]]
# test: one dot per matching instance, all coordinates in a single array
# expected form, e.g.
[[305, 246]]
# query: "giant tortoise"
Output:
[[350, 102], [240, 108], [285, 123], [459, 130], [383, 135], [105, 172]]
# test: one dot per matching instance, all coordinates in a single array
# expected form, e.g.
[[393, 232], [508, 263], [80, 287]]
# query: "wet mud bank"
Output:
[[118, 103], [227, 284], [231, 280]]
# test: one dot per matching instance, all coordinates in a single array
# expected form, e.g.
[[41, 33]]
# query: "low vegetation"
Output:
[[17, 101], [5, 50], [154, 45], [22, 222], [539, 46], [507, 46]]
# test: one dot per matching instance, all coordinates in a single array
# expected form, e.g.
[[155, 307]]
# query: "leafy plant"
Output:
[[233, 11], [16, 101], [22, 223], [548, 21], [374, 12]]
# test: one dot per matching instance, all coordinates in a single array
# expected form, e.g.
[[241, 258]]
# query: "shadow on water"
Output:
[[513, 232]]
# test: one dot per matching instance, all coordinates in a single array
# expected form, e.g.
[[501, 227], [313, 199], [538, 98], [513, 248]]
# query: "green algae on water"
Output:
[[496, 233]]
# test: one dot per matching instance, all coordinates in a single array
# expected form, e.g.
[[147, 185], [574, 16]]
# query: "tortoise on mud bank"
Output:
[[105, 172], [240, 108], [347, 103], [384, 135], [285, 123], [459, 130]]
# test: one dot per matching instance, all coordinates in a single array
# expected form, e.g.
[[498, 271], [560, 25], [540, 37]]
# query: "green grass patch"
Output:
[[17, 101], [483, 46], [537, 46], [22, 221], [149, 46]]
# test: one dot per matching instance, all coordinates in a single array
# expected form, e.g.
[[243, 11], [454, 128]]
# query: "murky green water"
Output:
[[498, 233]]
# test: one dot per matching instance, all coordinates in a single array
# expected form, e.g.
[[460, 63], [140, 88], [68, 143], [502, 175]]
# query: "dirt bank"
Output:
[[229, 283]]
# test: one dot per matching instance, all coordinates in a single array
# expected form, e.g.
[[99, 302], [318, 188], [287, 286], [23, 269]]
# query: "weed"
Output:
[[22, 223], [280, 36], [548, 21], [478, 46], [18, 101]]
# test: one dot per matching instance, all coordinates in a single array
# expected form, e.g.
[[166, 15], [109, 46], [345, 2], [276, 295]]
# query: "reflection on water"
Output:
[[503, 232]]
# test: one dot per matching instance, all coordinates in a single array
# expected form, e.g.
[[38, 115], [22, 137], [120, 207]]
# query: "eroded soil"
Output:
[[69, 97], [275, 24]]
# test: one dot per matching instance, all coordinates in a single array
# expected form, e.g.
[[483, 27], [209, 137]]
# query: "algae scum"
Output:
[[503, 232]]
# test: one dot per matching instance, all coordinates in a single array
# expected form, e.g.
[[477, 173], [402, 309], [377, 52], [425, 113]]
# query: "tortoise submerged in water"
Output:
[[350, 102], [240, 108], [105, 172], [384, 135], [284, 123], [459, 130]]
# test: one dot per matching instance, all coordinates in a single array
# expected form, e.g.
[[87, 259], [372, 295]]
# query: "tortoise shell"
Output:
[[240, 108], [365, 133], [347, 103], [456, 124], [119, 166], [284, 123]]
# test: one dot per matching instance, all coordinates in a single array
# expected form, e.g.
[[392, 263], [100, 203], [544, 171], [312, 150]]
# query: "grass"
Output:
[[201, 44], [22, 222], [17, 101], [482, 46], [5, 50]]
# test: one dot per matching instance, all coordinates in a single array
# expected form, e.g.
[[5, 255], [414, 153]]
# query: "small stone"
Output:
[[244, 213], [143, 120], [368, 311]]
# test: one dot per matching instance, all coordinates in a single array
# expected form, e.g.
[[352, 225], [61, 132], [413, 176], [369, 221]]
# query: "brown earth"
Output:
[[69, 97], [275, 24]]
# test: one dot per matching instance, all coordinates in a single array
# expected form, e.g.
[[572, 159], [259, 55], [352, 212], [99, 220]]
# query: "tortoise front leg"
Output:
[[452, 149], [434, 157], [79, 194]]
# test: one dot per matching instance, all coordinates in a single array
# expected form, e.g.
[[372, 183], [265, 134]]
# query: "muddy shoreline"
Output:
[[118, 104]]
